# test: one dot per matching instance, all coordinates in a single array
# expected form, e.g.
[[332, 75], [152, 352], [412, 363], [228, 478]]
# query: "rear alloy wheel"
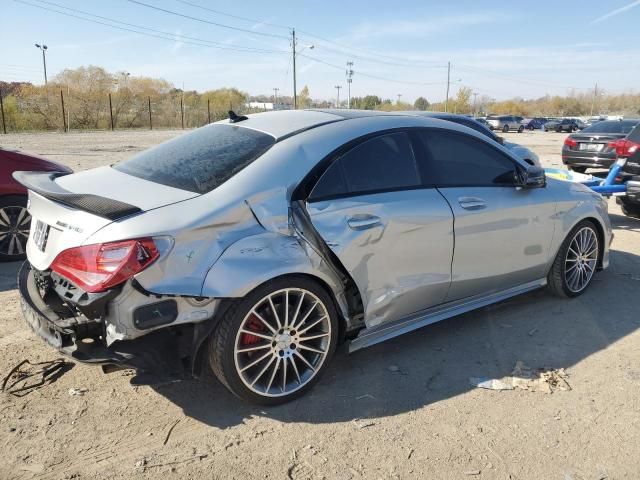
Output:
[[272, 346], [520, 129], [15, 223], [576, 262], [505, 129]]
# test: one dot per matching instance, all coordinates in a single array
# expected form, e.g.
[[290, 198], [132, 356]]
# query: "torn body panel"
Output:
[[397, 247]]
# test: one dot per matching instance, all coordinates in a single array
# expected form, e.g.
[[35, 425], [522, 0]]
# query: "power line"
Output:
[[276, 25], [158, 33], [196, 19], [511, 77], [234, 16], [362, 74]]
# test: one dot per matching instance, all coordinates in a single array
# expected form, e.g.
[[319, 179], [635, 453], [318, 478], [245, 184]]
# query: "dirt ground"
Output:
[[402, 409]]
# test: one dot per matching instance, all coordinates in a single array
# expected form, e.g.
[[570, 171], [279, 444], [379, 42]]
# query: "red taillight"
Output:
[[97, 267], [570, 142], [624, 148]]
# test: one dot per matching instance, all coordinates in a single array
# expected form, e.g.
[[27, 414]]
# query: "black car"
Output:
[[629, 148], [592, 147], [564, 125]]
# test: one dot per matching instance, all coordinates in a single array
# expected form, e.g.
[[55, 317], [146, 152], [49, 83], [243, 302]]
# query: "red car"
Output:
[[15, 221]]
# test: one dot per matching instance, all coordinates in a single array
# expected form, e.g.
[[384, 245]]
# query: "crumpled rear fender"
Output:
[[254, 260]]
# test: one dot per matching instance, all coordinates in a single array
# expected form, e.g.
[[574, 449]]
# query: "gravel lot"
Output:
[[403, 409]]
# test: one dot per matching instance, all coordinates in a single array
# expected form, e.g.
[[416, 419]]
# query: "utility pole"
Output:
[[446, 102], [338, 87], [475, 111], [4, 125], [293, 47], [593, 101], [399, 95], [349, 80], [275, 98], [43, 47]]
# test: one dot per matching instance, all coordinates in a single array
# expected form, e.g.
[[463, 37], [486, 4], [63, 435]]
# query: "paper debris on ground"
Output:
[[525, 378]]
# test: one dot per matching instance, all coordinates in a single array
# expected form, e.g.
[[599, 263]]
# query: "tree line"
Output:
[[92, 98]]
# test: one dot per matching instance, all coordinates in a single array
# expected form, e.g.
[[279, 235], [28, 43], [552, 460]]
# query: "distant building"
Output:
[[268, 106]]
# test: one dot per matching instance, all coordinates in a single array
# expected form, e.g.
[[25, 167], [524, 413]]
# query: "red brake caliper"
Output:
[[253, 324]]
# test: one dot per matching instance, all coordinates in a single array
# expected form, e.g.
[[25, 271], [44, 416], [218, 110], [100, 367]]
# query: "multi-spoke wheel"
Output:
[[576, 262], [272, 345], [15, 222]]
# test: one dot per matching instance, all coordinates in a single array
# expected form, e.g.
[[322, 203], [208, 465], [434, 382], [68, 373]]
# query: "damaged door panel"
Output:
[[396, 246]]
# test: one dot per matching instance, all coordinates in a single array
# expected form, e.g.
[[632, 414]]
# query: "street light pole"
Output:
[[338, 87], [43, 47], [275, 98], [593, 101], [399, 95], [446, 101]]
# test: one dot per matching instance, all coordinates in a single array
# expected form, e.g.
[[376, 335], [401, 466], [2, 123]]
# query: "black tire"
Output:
[[557, 279], [531, 128], [630, 209], [222, 343], [546, 129], [13, 237], [578, 169], [505, 129], [520, 128], [558, 129]]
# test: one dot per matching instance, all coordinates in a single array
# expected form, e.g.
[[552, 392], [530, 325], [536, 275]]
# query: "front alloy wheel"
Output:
[[273, 345], [576, 262], [15, 223]]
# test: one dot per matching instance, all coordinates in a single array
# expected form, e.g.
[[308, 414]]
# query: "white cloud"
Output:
[[424, 28], [615, 12]]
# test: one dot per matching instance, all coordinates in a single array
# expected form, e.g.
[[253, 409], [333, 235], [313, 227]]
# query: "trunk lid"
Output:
[[67, 210]]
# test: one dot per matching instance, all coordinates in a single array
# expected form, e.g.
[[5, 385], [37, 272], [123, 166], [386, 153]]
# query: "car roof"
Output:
[[281, 124]]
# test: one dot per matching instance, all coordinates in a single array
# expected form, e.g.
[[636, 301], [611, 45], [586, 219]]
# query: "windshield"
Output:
[[201, 160], [614, 126]]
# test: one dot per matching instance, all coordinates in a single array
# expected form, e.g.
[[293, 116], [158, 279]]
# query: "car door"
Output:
[[502, 231], [391, 232]]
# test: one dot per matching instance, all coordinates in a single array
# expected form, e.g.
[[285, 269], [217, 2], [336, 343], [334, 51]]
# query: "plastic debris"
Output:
[[525, 378], [78, 392]]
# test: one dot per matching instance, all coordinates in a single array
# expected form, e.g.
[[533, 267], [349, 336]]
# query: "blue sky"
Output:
[[500, 49]]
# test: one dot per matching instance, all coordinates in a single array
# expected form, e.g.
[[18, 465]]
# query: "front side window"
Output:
[[383, 163], [200, 160], [458, 160]]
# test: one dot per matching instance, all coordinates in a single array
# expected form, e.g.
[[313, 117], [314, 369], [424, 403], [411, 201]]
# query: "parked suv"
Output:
[[563, 125], [505, 123]]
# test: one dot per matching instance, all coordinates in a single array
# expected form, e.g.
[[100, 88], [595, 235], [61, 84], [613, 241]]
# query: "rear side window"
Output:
[[611, 126], [201, 160], [382, 163], [458, 160]]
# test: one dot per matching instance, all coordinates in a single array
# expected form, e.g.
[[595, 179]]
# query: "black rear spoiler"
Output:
[[43, 183]]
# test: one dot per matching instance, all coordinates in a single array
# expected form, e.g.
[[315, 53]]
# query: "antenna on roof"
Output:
[[235, 118]]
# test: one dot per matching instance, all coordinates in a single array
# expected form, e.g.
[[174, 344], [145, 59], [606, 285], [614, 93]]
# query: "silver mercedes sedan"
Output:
[[255, 245]]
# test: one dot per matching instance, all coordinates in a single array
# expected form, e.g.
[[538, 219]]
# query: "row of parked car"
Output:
[[506, 123]]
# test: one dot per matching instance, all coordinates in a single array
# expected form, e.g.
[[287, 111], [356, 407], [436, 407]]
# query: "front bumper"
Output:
[[81, 339]]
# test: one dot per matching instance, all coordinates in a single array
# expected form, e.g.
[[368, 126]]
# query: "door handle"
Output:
[[472, 203], [362, 222]]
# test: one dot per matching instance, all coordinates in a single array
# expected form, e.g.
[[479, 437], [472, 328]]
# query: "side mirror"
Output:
[[533, 177]]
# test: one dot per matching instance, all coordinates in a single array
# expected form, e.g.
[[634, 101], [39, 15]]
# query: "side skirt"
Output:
[[380, 333]]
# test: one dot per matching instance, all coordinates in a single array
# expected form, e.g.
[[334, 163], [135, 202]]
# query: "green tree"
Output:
[[304, 98], [421, 103]]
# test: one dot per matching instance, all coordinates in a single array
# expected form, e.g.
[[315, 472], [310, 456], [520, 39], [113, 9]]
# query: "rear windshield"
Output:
[[201, 160], [612, 126]]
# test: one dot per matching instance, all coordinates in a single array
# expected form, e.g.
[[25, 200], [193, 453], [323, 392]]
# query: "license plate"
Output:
[[40, 235], [591, 147]]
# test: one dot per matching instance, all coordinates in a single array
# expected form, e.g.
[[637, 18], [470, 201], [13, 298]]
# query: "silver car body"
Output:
[[504, 123], [410, 263]]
